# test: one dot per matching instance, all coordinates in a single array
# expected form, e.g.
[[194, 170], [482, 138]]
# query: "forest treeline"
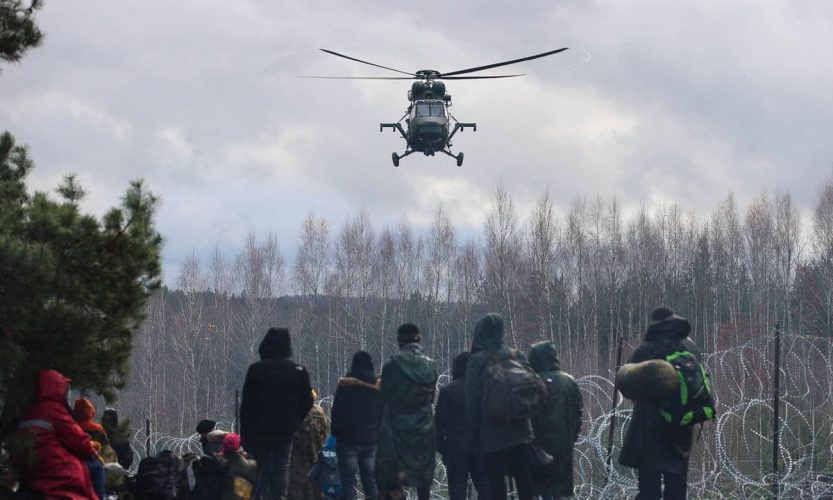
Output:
[[583, 280]]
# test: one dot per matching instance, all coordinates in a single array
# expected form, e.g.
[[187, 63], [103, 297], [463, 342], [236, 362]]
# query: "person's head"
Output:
[[231, 444], [408, 333], [543, 357], [110, 420], [204, 427], [276, 344], [488, 333], [667, 324], [362, 362], [83, 410], [458, 367], [52, 386]]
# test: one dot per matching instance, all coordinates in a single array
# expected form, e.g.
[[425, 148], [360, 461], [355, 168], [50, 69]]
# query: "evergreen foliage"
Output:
[[18, 31], [72, 288]]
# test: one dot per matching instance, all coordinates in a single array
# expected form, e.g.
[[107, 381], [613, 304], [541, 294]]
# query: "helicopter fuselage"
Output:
[[427, 126]]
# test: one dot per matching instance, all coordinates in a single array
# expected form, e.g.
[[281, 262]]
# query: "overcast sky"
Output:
[[655, 102]]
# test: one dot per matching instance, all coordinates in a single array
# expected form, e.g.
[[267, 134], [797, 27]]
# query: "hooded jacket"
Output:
[[454, 432], [557, 428], [276, 396], [488, 343], [84, 412], [406, 451], [650, 443], [61, 444], [357, 409]]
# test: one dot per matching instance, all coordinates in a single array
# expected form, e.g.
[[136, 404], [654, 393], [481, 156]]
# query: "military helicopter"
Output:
[[428, 118]]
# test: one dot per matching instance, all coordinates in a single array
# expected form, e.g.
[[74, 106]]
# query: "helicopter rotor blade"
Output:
[[366, 62], [505, 63], [484, 77], [357, 77]]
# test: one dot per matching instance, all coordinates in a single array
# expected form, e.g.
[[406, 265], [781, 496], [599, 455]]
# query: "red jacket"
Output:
[[84, 411], [61, 443]]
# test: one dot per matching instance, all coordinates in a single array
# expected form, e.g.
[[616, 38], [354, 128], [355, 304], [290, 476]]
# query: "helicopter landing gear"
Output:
[[395, 157], [458, 157]]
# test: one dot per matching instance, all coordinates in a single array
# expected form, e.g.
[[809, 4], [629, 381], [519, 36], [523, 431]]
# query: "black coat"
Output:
[[357, 410], [650, 443], [276, 396], [454, 432], [488, 343]]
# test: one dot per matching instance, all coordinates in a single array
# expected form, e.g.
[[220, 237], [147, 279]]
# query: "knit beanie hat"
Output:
[[408, 333], [362, 362]]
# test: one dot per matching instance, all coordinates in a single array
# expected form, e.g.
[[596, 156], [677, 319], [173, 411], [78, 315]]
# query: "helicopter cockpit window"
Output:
[[429, 109]]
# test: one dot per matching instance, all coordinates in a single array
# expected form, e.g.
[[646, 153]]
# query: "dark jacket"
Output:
[[650, 443], [276, 396], [406, 451], [357, 409], [557, 429], [488, 342], [454, 433], [119, 441]]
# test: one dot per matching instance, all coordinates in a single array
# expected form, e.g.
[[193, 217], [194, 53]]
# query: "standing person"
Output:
[[309, 438], [62, 447], [558, 427], [276, 398], [505, 445], [406, 452], [456, 438], [660, 451], [357, 414]]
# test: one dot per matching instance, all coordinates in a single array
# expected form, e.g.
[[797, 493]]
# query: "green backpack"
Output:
[[693, 402]]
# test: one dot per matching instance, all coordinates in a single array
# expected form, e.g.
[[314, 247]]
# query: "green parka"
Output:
[[556, 429], [406, 451], [488, 343]]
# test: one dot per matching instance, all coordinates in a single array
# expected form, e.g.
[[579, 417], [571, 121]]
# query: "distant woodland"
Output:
[[583, 280]]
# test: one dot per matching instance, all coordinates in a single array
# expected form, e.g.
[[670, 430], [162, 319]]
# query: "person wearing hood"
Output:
[[61, 445], [309, 439], [276, 398], [505, 445], [118, 437], [558, 427], [357, 414], [455, 436], [658, 450], [84, 412], [406, 453]]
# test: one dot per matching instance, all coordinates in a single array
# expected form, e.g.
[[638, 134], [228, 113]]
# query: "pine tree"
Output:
[[18, 31], [72, 287]]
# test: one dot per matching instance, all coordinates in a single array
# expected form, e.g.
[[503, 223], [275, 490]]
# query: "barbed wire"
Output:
[[732, 456]]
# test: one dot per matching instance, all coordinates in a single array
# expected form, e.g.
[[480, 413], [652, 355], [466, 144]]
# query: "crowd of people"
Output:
[[504, 415]]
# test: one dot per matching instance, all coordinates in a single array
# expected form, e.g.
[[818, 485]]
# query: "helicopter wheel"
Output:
[[459, 159], [395, 158]]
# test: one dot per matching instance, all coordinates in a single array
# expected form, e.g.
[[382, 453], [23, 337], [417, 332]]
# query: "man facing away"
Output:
[[658, 450], [505, 445], [455, 437], [276, 398], [558, 427], [406, 450]]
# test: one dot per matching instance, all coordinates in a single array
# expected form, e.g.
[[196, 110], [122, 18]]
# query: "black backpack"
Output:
[[157, 477], [693, 402], [513, 391]]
